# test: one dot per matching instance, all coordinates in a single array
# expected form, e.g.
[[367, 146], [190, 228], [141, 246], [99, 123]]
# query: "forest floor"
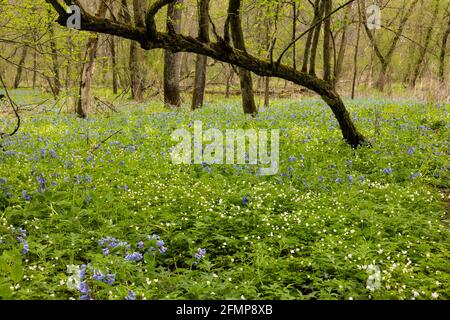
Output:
[[96, 209]]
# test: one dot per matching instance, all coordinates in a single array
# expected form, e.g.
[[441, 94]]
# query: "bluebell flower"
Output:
[[41, 181], [411, 150], [43, 151], [415, 175], [83, 288], [85, 297], [339, 180], [135, 256], [105, 251], [141, 245], [82, 271], [131, 296], [52, 153], [388, 171], [88, 199], [291, 159], [98, 275], [321, 178], [160, 243], [245, 200], [162, 249], [200, 253], [2, 180], [109, 279], [350, 178], [25, 248]]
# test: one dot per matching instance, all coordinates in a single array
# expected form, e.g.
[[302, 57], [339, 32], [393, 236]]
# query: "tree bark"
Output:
[[19, 72], [112, 47], [201, 62], [315, 38], [84, 99], [443, 52], [137, 57], [328, 5], [55, 65], [235, 24], [342, 48], [172, 60], [309, 38]]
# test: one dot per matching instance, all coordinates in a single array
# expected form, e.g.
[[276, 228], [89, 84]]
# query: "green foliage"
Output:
[[313, 231]]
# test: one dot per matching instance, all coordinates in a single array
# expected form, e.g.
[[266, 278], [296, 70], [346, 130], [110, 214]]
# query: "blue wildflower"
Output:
[[339, 180], [160, 243], [41, 181], [2, 180], [415, 175], [25, 248], [411, 150], [52, 153], [388, 171], [83, 288], [291, 159], [85, 297], [162, 249], [82, 271], [131, 296], [135, 256], [350, 178], [200, 253], [245, 200], [105, 251], [141, 245]]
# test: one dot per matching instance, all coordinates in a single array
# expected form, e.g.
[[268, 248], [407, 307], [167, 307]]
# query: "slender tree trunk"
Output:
[[315, 39], [308, 42], [235, 24], [172, 60], [137, 56], [55, 63], [112, 47], [443, 53], [328, 5], [201, 62], [294, 35], [34, 68], [19, 72], [355, 57], [342, 48], [84, 99]]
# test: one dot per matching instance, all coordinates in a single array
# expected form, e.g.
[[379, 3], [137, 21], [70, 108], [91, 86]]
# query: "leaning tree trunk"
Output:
[[84, 99], [150, 38], [200, 64], [19, 72], [172, 60], [235, 25]]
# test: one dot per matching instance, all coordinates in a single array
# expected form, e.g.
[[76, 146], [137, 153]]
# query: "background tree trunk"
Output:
[[84, 99], [327, 42], [55, 65], [315, 38], [19, 72], [443, 52], [201, 62], [172, 60], [235, 24], [112, 47]]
